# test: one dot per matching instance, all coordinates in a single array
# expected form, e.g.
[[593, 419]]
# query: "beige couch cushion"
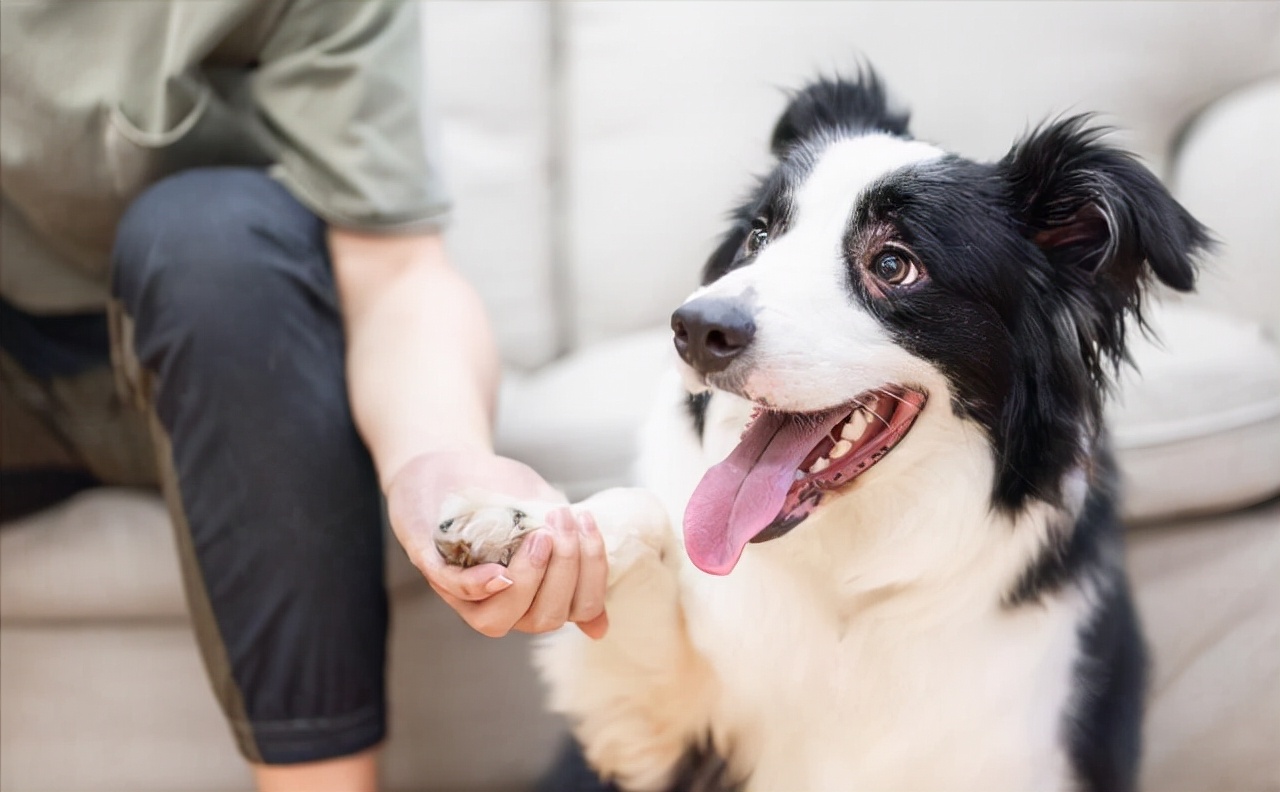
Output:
[[1228, 175], [488, 71], [103, 554], [1196, 421], [577, 421]]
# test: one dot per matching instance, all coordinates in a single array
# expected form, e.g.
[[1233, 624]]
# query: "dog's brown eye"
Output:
[[758, 236], [895, 269]]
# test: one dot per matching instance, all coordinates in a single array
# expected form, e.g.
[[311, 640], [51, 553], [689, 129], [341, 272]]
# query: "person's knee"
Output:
[[201, 253]]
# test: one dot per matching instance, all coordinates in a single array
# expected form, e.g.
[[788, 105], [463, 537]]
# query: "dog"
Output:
[[901, 565]]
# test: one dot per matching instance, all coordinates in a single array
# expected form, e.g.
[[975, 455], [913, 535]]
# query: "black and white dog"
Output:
[[894, 470]]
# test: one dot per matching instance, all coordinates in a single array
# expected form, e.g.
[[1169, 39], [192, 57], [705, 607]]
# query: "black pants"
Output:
[[226, 281]]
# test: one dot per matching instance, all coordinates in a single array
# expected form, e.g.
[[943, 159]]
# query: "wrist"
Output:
[[438, 457]]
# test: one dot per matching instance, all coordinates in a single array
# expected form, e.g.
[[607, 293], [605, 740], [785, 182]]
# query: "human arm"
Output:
[[422, 374]]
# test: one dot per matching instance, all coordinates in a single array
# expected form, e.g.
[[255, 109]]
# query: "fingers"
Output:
[[593, 574], [560, 574], [499, 613], [475, 584], [550, 608], [597, 627]]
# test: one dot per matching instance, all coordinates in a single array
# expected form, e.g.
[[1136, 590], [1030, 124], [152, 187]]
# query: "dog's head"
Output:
[[870, 274]]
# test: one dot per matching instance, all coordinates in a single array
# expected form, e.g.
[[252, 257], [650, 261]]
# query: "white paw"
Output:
[[634, 525], [477, 527]]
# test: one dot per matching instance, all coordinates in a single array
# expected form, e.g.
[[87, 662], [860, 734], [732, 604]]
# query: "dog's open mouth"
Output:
[[784, 465]]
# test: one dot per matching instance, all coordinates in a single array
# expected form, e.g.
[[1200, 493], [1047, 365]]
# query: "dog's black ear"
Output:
[[1095, 208], [1103, 221], [856, 105], [722, 259]]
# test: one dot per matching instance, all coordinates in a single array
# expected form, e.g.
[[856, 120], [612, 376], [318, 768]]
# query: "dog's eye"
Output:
[[895, 269], [758, 236]]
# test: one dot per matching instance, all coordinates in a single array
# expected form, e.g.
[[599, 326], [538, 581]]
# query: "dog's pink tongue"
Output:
[[742, 495]]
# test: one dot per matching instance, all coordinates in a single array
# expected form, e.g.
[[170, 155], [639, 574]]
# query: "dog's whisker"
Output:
[[891, 395]]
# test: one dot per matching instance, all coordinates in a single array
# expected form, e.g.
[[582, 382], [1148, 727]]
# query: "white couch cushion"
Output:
[[1228, 175], [577, 420], [1196, 424], [103, 554], [488, 72], [669, 105]]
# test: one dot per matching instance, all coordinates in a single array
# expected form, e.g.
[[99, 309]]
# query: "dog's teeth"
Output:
[[799, 475], [822, 464], [841, 448], [856, 425]]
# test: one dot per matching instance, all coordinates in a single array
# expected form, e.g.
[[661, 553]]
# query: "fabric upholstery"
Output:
[[1196, 419], [1226, 175], [488, 69]]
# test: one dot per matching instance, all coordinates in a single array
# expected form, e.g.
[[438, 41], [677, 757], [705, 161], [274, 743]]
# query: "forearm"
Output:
[[422, 370], [422, 373]]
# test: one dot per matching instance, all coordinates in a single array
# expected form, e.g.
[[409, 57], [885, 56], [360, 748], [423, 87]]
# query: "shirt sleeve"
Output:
[[339, 85]]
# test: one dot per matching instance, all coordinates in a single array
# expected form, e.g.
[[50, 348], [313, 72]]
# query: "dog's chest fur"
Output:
[[886, 699]]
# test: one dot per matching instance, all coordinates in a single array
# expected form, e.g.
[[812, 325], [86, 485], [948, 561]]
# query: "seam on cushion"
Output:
[[1189, 428]]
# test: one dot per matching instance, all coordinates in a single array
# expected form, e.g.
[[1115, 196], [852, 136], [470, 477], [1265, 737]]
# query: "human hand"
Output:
[[557, 575]]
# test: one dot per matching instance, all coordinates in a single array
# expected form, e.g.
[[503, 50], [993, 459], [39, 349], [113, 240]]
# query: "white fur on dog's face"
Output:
[[816, 346]]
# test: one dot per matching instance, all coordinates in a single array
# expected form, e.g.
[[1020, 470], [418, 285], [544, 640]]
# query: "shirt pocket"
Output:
[[207, 132]]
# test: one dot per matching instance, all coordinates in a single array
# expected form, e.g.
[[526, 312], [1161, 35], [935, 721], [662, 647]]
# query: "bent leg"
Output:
[[226, 280]]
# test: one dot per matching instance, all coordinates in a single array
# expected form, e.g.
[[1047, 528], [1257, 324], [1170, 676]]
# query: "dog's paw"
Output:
[[634, 525], [477, 527]]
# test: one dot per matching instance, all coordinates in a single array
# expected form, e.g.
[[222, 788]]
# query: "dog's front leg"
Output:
[[638, 698]]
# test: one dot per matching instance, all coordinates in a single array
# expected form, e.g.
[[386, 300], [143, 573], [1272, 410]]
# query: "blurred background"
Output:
[[593, 149]]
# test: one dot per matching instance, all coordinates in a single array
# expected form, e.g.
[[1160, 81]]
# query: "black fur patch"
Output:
[[703, 770], [1026, 297], [1104, 728], [1076, 549], [571, 773], [824, 109], [837, 107], [696, 404]]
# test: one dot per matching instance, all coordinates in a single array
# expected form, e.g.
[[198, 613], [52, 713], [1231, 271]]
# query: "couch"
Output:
[[594, 148]]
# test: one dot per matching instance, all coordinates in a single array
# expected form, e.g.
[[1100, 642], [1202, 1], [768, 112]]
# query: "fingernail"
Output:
[[500, 583], [540, 549]]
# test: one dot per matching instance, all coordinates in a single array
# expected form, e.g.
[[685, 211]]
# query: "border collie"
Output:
[[901, 563]]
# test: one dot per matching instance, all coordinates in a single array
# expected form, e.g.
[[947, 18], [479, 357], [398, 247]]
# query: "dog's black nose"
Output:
[[712, 331]]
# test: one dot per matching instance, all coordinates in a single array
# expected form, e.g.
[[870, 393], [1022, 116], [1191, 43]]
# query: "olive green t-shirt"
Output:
[[99, 99]]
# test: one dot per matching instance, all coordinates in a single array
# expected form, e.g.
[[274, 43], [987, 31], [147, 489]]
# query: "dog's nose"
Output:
[[711, 331]]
